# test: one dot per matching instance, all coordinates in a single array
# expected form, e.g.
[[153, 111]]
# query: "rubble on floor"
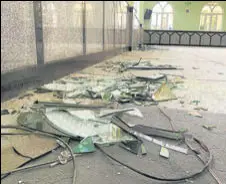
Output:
[[164, 152], [195, 114], [85, 146], [134, 146], [81, 128], [209, 127], [4, 112], [143, 90]]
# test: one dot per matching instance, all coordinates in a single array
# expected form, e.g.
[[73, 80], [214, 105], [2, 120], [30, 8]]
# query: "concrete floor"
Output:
[[207, 84]]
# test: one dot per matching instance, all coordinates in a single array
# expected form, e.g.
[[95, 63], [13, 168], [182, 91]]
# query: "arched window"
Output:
[[162, 16], [211, 17]]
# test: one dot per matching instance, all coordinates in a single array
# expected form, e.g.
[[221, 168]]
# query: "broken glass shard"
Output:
[[74, 126], [163, 93], [85, 146]]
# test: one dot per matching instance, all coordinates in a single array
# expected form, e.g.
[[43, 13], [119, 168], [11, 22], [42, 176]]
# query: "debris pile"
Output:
[[139, 90], [90, 129], [80, 128], [122, 66]]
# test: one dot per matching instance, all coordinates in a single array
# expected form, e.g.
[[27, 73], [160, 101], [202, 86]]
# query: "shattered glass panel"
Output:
[[74, 126], [164, 93], [36, 120], [85, 146]]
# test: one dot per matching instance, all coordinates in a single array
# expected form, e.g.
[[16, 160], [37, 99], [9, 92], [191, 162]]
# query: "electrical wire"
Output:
[[135, 64], [18, 153], [210, 170], [28, 167], [46, 135], [169, 119], [31, 167], [134, 169], [22, 133], [32, 159], [206, 165], [156, 177]]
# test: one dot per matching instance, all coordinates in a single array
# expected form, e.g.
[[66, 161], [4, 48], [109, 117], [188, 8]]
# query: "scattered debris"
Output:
[[38, 121], [25, 95], [135, 64], [10, 159], [42, 90], [151, 131], [159, 67], [135, 112], [106, 96], [60, 143], [4, 112], [177, 80], [133, 89], [8, 111], [64, 105], [107, 112], [195, 68], [196, 102], [164, 152], [13, 112], [181, 76], [195, 114], [209, 127], [163, 94], [72, 125], [84, 114], [118, 121], [32, 145], [181, 102], [143, 149], [132, 146], [85, 146], [63, 158], [99, 126], [148, 66], [201, 108], [151, 78]]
